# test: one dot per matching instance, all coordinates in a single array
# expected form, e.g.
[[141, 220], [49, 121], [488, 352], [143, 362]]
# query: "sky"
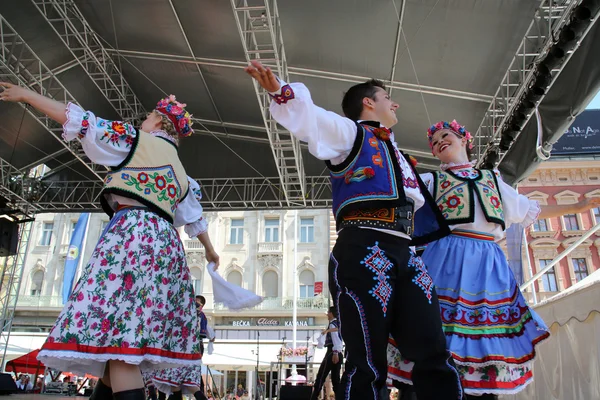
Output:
[[595, 103]]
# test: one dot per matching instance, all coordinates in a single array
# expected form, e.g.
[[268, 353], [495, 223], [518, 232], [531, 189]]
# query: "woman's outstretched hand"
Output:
[[13, 93]]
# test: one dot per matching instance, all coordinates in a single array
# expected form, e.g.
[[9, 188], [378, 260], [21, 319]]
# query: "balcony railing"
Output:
[[270, 247], [40, 301], [318, 303], [193, 245]]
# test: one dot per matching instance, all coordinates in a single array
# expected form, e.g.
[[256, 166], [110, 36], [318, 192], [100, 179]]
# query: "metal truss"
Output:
[[70, 25], [17, 189], [217, 194], [311, 73], [543, 32], [21, 66], [10, 283], [260, 30]]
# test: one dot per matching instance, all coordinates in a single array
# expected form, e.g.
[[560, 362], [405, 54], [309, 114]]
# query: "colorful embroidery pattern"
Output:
[[85, 125], [487, 187], [378, 263], [358, 175], [422, 278], [287, 94], [116, 133], [496, 378], [410, 182], [158, 183], [366, 336]]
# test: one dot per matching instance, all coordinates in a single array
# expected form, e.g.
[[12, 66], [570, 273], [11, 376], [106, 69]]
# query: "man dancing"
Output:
[[379, 286], [332, 362]]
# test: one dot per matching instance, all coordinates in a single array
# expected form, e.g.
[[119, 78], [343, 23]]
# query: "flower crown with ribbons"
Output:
[[452, 126], [175, 112]]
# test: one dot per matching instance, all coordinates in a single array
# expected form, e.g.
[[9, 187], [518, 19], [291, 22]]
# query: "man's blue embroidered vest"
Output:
[[369, 178]]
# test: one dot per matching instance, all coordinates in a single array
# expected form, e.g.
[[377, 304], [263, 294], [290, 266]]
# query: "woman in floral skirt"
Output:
[[188, 379], [490, 330], [133, 308]]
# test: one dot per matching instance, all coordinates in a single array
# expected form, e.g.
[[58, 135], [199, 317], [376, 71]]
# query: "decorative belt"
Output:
[[398, 219], [473, 235]]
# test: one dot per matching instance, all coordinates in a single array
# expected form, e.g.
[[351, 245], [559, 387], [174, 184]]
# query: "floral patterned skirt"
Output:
[[134, 302], [187, 378], [490, 330]]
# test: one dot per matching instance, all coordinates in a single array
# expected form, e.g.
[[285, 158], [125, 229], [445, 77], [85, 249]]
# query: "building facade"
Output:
[[558, 182], [280, 255]]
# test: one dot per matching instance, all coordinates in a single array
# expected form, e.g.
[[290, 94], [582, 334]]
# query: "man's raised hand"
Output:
[[263, 75]]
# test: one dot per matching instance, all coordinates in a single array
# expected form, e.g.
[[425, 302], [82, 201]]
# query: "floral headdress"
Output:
[[454, 127], [175, 112]]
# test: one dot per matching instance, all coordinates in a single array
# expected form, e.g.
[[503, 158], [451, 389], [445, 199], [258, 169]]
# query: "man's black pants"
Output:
[[326, 367], [381, 288]]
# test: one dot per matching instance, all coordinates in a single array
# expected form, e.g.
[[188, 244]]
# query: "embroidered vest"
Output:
[[328, 339], [151, 174], [456, 194], [367, 186], [203, 325]]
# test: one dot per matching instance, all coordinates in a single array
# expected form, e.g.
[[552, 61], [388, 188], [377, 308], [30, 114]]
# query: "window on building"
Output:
[[307, 230], [541, 225], [235, 277], [70, 229], [36, 282], [596, 212], [270, 284], [580, 268], [549, 278], [46, 238], [571, 223], [236, 235], [196, 279], [271, 230], [307, 284]]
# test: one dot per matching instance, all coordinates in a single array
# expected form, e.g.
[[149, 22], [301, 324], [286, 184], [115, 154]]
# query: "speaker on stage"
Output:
[[9, 237], [7, 384], [295, 392]]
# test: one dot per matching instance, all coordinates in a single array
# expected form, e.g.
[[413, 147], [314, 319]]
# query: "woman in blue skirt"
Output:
[[490, 330]]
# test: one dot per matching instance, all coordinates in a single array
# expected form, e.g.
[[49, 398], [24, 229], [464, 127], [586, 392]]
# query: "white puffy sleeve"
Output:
[[189, 211], [104, 142], [518, 209], [427, 179], [329, 135]]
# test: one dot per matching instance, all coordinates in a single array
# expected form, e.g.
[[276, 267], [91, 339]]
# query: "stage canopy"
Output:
[[475, 61]]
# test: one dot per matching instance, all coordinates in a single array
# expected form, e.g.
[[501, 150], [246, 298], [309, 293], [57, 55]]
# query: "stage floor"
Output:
[[28, 396]]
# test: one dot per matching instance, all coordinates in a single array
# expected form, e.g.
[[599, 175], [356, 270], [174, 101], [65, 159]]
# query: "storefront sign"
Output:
[[298, 323], [269, 322]]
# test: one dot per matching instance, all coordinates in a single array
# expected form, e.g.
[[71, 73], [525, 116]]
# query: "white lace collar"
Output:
[[164, 135], [445, 167]]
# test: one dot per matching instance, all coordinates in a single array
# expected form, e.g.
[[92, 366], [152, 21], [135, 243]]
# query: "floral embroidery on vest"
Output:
[[159, 182], [454, 195]]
